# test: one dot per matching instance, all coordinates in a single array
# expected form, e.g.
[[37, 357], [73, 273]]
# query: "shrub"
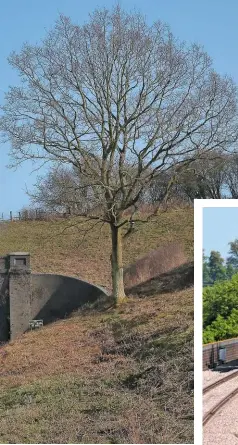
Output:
[[220, 310]]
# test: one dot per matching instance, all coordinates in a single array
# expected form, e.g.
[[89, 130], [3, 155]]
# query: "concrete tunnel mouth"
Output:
[[56, 296], [27, 296]]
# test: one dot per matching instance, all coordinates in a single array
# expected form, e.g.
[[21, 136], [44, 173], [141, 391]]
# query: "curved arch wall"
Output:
[[56, 296], [25, 296]]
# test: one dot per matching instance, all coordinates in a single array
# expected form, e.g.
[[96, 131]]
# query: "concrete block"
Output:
[[20, 293]]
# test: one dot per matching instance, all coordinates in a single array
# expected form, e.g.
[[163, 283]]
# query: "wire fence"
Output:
[[33, 214], [40, 214]]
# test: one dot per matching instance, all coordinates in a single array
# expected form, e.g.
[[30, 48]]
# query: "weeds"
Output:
[[108, 374]]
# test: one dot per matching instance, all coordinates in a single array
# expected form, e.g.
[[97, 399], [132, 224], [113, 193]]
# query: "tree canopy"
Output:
[[215, 269], [122, 102], [220, 310]]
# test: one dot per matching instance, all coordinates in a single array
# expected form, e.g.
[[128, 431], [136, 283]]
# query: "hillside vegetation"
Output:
[[82, 251], [220, 310], [107, 374]]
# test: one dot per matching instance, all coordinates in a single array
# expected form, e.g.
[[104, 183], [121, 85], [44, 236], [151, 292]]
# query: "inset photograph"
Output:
[[220, 324]]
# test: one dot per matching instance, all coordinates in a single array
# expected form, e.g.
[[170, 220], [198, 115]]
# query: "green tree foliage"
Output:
[[206, 271], [230, 271], [216, 266], [222, 328], [232, 259], [220, 310]]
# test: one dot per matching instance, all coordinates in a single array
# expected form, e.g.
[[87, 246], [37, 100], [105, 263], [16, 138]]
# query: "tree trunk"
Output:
[[117, 265]]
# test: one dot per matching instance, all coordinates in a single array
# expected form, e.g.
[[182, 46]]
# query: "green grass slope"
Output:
[[107, 374]]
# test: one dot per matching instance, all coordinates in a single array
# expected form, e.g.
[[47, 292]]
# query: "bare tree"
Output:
[[121, 101], [206, 177], [231, 176], [63, 190]]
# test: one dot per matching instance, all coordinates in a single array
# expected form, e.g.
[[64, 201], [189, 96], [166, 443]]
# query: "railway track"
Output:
[[223, 401], [219, 382]]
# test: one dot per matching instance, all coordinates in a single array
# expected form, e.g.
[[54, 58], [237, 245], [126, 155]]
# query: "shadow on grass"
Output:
[[177, 279]]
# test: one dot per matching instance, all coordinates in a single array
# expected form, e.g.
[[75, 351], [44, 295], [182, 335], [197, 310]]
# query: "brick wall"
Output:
[[211, 352]]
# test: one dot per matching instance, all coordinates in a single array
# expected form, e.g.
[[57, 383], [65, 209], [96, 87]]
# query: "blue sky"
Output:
[[220, 226], [211, 23]]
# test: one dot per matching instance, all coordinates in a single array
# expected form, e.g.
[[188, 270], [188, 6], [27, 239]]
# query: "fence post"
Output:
[[19, 216], [10, 215]]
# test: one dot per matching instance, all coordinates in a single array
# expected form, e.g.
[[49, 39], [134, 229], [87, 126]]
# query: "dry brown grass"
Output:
[[122, 375], [57, 250], [108, 374], [159, 261]]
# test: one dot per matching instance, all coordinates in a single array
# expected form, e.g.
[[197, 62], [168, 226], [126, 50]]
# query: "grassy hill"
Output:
[[107, 374], [59, 247]]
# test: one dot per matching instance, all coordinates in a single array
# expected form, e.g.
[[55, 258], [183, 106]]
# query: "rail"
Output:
[[209, 415]]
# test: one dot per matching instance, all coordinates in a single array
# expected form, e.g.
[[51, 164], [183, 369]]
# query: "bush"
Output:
[[220, 311], [222, 328]]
